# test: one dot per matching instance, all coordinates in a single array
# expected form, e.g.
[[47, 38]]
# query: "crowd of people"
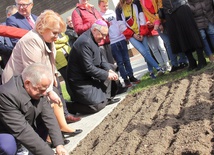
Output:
[[90, 52]]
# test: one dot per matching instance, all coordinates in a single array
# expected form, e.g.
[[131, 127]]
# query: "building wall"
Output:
[[60, 6], [63, 7]]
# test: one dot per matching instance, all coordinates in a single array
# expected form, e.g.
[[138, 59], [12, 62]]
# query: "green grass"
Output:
[[64, 92], [147, 82]]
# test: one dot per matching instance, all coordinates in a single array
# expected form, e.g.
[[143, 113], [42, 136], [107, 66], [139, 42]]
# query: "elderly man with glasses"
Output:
[[23, 18], [89, 75]]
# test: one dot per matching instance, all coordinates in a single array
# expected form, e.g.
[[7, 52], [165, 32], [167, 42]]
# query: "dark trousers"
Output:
[[76, 107], [7, 144], [80, 107], [192, 61]]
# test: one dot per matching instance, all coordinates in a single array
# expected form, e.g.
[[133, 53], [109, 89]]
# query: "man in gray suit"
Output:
[[24, 107]]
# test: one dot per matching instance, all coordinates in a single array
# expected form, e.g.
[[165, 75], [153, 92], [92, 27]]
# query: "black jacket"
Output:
[[87, 70], [171, 5]]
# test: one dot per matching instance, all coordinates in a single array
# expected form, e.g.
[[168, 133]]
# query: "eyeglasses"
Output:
[[23, 5], [104, 35]]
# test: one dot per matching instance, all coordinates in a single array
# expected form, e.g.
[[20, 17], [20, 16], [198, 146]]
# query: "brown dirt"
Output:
[[174, 119]]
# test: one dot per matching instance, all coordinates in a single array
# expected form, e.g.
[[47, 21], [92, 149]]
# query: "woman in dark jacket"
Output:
[[183, 32], [203, 13]]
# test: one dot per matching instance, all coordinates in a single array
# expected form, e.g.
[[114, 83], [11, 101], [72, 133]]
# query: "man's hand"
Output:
[[60, 150], [112, 75], [54, 98]]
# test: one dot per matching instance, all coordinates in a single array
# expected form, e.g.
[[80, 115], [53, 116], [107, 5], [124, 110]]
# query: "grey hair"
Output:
[[30, 1], [36, 72], [96, 26], [10, 8]]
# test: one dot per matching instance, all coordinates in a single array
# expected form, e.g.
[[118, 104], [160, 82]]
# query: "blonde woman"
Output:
[[38, 46]]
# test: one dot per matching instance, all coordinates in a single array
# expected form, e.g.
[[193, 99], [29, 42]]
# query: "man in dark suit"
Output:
[[89, 75], [24, 107], [23, 18]]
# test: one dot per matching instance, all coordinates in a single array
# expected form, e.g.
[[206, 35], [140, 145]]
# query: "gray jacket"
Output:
[[18, 113], [203, 12]]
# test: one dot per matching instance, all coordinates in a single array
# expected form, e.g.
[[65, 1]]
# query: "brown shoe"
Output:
[[71, 119]]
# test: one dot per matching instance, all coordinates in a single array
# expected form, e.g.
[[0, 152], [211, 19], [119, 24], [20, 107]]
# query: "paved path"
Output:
[[88, 123]]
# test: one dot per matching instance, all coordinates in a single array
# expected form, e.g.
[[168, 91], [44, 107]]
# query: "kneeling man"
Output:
[[89, 75], [24, 107]]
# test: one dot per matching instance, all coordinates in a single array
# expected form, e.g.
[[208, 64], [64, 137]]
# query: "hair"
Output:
[[47, 20], [10, 8], [104, 1], [98, 24], [121, 3], [69, 17], [36, 72], [30, 1]]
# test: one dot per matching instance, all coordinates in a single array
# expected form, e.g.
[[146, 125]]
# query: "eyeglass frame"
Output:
[[23, 5], [104, 35]]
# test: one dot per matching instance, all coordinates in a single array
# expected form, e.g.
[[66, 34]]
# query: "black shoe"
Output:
[[174, 68], [66, 141], [72, 134], [122, 90], [192, 65], [190, 68], [183, 65], [200, 66], [134, 80], [113, 100]]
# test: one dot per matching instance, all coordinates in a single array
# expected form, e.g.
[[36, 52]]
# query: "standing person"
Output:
[[23, 18], [38, 46], [11, 10], [89, 75], [5, 52], [118, 45], [135, 30], [62, 53], [150, 9], [155, 42], [83, 16], [204, 16], [70, 31], [23, 104], [6, 45], [183, 32]]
